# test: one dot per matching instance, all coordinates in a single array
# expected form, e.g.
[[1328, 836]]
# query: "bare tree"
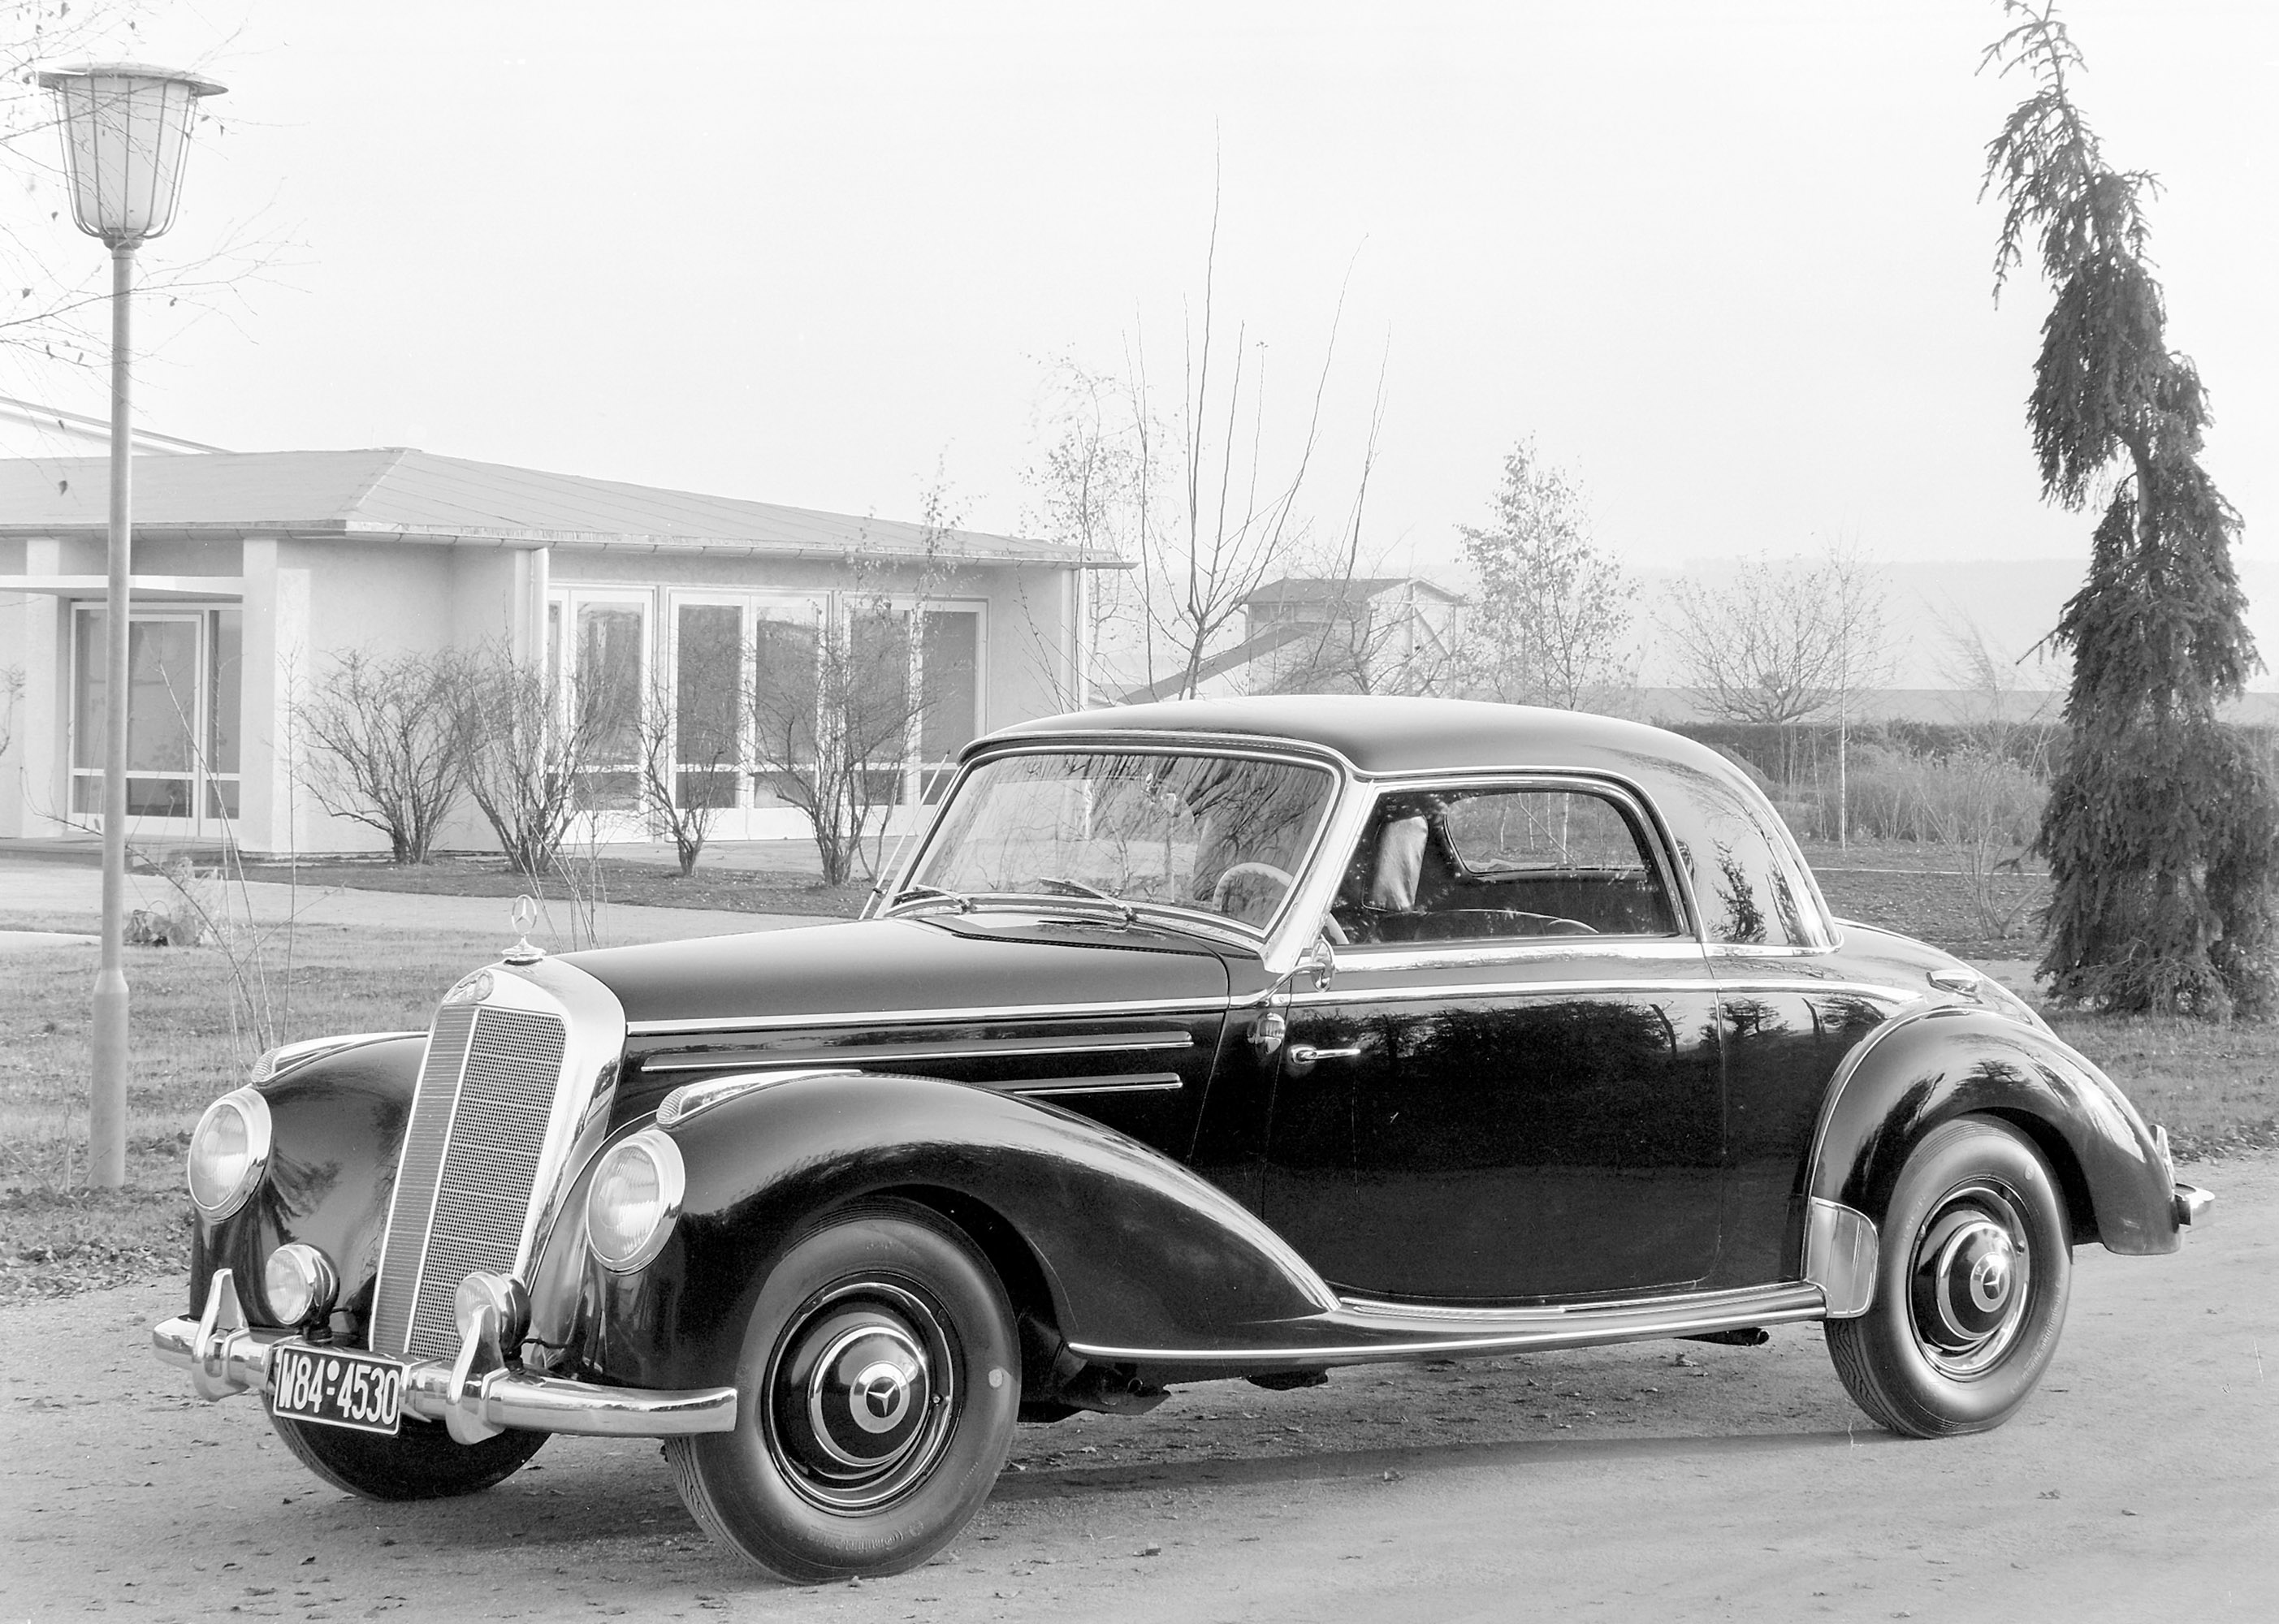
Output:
[[1206, 495], [1780, 642], [832, 705], [1550, 617], [836, 705], [1368, 634], [386, 745], [1085, 496], [530, 745], [1229, 536], [1791, 642], [11, 690], [1356, 645], [690, 754]]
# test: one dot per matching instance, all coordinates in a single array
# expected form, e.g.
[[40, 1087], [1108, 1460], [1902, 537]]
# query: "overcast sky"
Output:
[[1725, 260]]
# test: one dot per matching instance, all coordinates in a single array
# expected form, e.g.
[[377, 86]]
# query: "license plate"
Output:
[[336, 1387]]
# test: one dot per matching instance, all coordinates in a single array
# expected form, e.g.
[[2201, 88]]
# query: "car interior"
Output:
[[1422, 873]]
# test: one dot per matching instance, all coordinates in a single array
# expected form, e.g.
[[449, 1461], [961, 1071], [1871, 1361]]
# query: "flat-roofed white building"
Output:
[[252, 570]]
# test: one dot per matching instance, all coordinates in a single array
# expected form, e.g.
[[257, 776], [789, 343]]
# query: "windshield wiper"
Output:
[[1079, 888], [923, 893]]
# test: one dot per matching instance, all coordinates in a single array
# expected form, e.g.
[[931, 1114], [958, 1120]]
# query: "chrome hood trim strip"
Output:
[[938, 1017]]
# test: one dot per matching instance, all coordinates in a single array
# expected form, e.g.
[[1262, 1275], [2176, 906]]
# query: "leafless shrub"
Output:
[[689, 751], [832, 707], [386, 745], [528, 748], [11, 690]]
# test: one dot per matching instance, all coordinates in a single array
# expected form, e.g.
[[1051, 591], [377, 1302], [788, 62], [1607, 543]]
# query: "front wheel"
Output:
[[421, 1462], [1971, 1282], [877, 1393]]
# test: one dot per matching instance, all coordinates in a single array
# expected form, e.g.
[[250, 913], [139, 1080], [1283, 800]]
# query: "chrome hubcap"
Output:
[[1971, 1279], [859, 1396]]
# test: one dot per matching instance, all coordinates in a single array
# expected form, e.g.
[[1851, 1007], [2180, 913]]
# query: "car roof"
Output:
[[1384, 735]]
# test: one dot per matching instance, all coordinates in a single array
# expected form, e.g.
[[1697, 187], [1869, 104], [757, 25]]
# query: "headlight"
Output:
[[229, 1152], [633, 1199], [299, 1283]]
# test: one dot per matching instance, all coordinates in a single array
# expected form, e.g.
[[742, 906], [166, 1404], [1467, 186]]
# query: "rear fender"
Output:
[[1910, 1074], [1130, 1249]]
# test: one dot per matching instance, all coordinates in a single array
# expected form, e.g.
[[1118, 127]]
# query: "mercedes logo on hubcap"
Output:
[[1990, 1280], [879, 1398]]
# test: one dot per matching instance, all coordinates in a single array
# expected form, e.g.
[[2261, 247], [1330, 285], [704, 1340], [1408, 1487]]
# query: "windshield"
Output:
[[1214, 833]]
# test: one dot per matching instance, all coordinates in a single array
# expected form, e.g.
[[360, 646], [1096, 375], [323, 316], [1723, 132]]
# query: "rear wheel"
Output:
[[422, 1462], [877, 1390], [1971, 1282]]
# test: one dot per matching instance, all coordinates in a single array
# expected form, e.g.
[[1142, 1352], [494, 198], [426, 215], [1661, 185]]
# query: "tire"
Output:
[[877, 1392], [422, 1462], [1972, 1276]]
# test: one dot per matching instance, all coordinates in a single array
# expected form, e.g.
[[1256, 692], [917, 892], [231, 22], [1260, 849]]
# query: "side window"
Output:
[[1503, 864], [1750, 886]]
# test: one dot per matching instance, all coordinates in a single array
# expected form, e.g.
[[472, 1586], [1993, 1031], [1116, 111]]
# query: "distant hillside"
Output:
[[2012, 603], [1678, 705]]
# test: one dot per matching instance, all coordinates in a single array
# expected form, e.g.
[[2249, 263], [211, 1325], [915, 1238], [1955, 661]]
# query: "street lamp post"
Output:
[[125, 131]]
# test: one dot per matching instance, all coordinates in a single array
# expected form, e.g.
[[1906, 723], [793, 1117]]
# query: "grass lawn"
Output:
[[194, 1039], [2216, 1087], [1923, 891]]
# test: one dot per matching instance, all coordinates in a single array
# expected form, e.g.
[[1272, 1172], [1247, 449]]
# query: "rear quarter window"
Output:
[[1752, 887]]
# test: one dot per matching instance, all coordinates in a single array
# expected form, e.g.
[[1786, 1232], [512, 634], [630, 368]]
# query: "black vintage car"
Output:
[[1194, 1041]]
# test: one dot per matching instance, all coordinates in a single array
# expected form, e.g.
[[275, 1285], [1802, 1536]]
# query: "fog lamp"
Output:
[[299, 1283], [503, 1295], [229, 1152], [633, 1199]]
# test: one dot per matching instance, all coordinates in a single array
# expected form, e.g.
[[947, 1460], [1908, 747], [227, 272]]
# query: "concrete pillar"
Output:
[[37, 799], [271, 818]]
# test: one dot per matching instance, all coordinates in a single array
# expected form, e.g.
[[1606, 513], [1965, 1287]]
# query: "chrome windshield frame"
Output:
[[1280, 943]]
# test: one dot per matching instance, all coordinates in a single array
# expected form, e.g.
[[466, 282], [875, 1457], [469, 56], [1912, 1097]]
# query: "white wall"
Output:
[[308, 600]]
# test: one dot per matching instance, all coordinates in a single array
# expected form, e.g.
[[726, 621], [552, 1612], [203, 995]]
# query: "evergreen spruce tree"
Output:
[[2161, 831]]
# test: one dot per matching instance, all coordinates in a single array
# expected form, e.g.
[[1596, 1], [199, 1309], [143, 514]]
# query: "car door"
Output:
[[1508, 1085]]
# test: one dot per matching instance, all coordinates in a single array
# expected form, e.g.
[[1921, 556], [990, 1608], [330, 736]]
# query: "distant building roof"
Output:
[[1337, 588], [1254, 647], [419, 496]]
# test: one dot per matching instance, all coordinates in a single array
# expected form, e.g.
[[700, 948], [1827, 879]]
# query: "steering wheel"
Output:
[[1236, 870]]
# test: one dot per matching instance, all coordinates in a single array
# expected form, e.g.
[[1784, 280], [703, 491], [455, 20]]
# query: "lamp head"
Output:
[[126, 130]]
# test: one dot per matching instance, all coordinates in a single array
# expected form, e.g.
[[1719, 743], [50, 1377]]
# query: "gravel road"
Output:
[[1660, 1480]]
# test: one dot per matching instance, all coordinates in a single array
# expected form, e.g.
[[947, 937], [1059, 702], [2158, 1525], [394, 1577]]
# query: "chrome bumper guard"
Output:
[[2192, 1205], [478, 1395]]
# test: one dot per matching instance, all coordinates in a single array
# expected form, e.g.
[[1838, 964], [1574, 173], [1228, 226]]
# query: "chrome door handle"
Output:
[[1303, 1055]]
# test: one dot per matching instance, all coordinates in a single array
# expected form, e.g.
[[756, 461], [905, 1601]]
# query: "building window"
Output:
[[949, 670], [708, 689], [784, 704], [756, 681], [184, 687]]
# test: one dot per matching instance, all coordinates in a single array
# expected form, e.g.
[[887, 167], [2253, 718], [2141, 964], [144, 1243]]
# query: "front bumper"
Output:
[[478, 1395]]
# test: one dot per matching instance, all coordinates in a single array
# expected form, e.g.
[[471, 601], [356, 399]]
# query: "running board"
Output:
[[1360, 1332]]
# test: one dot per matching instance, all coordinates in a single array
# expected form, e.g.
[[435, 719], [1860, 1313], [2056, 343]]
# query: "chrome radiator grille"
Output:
[[471, 1153]]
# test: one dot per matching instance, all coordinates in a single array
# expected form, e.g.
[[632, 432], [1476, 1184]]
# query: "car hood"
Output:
[[926, 964]]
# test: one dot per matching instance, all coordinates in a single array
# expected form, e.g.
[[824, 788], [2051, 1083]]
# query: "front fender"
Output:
[[1910, 1074], [337, 1124], [1130, 1248]]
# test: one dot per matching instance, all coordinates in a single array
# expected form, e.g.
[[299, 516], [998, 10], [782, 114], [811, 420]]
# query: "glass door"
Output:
[[183, 693]]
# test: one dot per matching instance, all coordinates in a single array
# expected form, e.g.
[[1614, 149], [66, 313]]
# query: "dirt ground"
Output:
[[1658, 1480]]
